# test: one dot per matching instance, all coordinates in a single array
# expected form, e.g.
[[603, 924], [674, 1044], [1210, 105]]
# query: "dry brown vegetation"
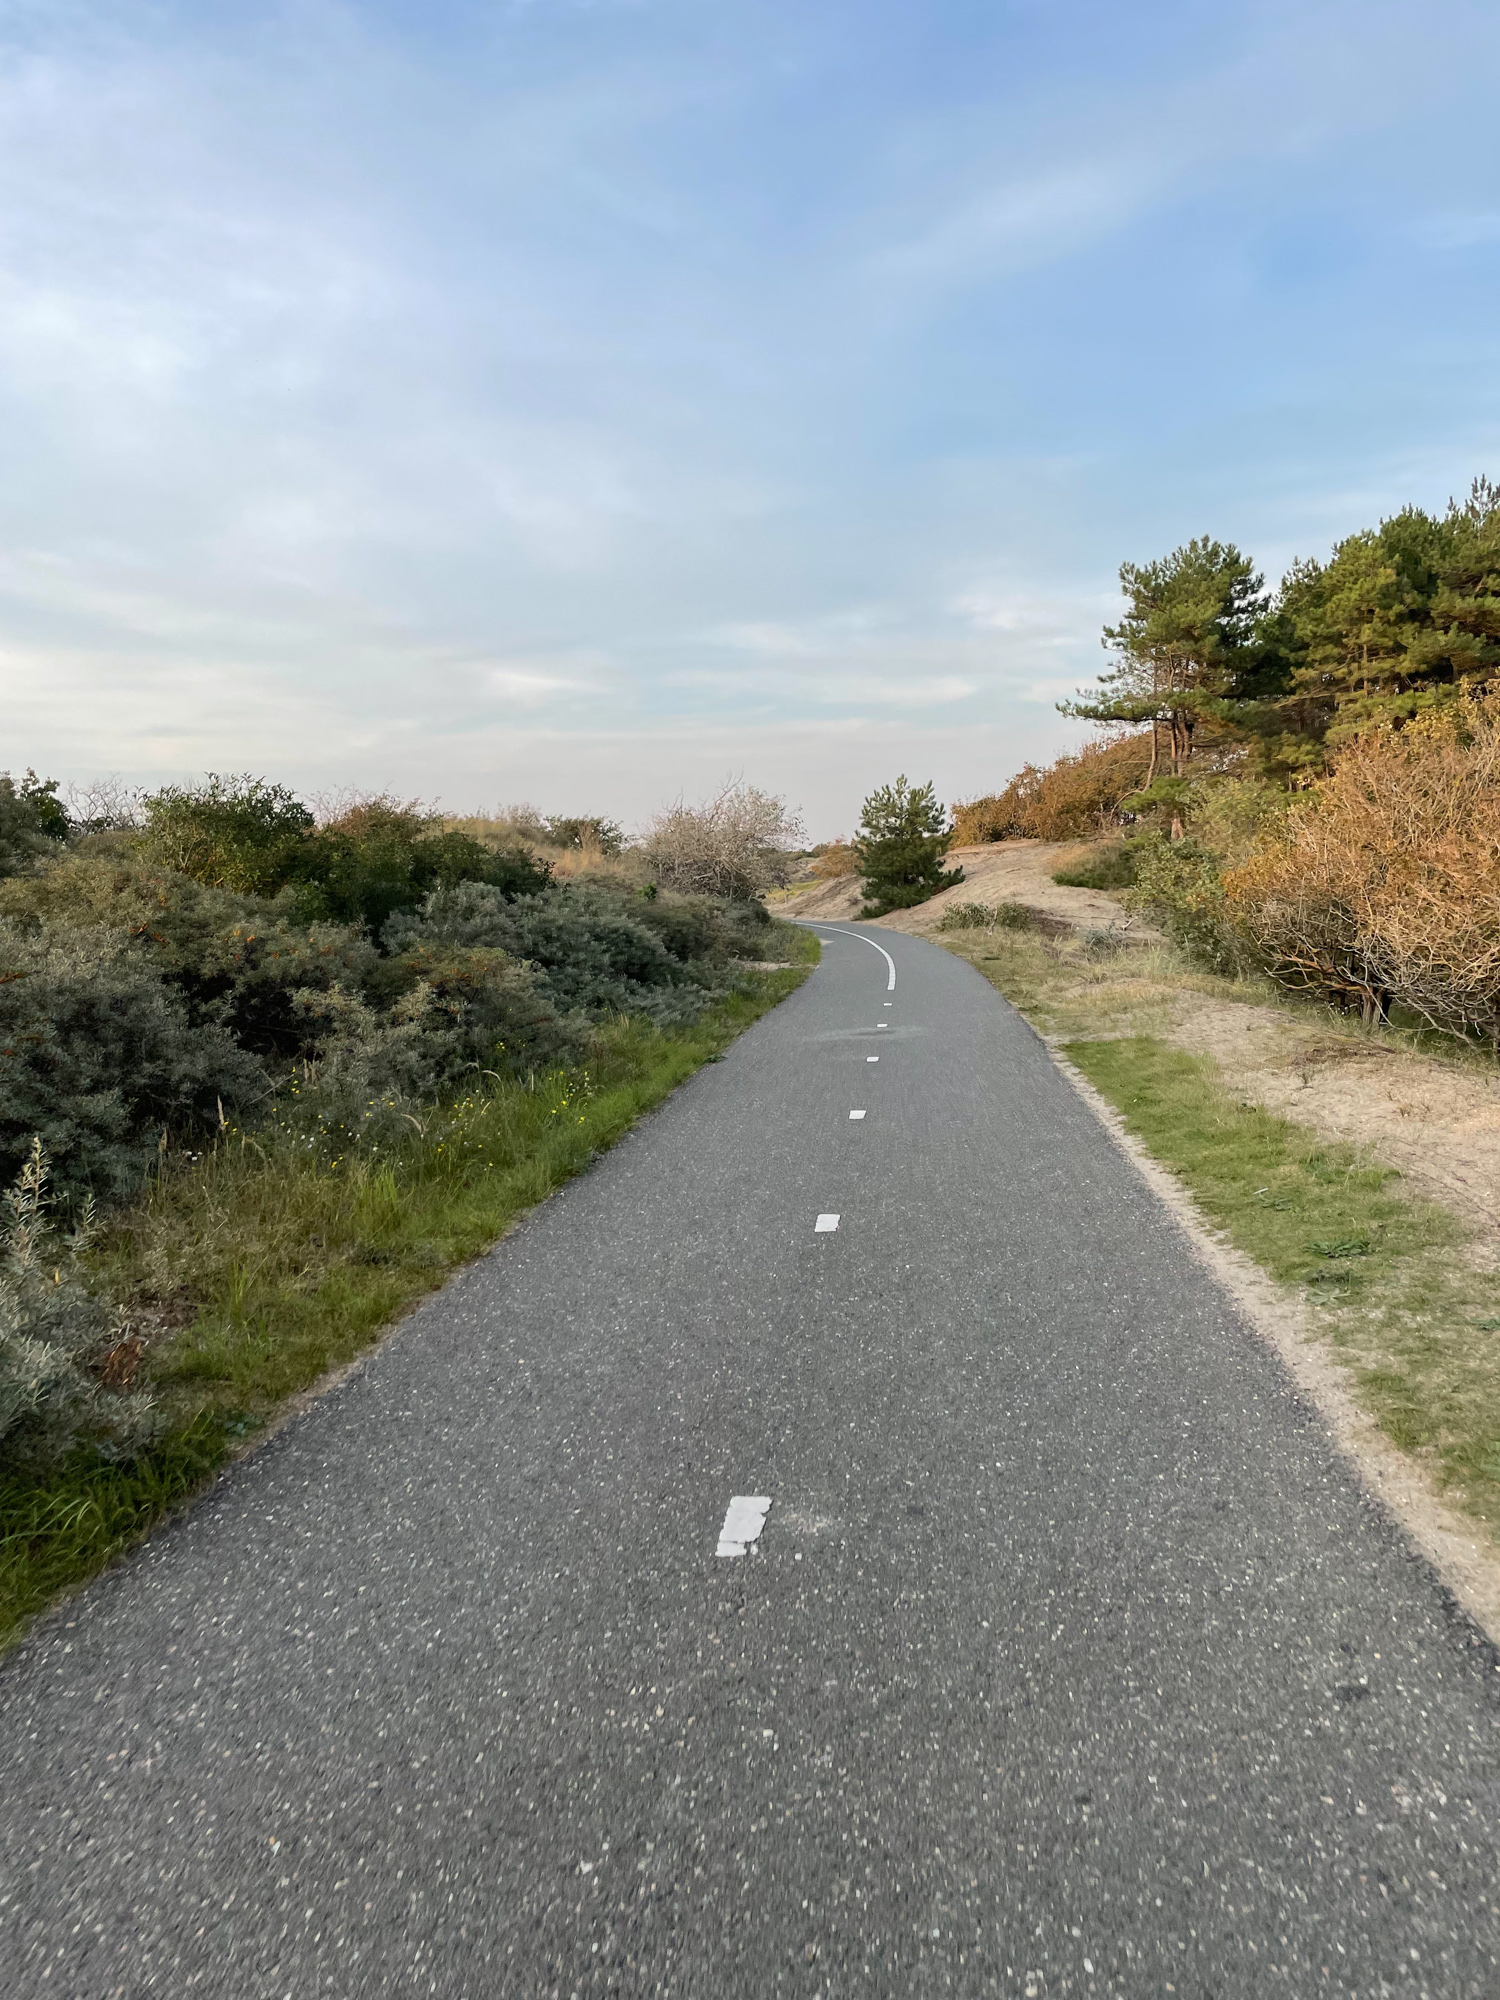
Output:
[[837, 860], [1382, 888], [1077, 796]]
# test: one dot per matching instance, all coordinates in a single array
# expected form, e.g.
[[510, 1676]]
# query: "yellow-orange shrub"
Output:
[[1383, 887], [1077, 795]]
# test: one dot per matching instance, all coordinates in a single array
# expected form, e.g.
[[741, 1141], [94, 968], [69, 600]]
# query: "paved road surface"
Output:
[[1069, 1660]]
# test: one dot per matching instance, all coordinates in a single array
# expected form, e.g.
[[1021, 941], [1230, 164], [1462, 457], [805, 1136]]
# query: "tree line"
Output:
[[1400, 620]]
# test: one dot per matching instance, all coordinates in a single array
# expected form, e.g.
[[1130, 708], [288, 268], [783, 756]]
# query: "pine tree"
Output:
[[1186, 647], [903, 837]]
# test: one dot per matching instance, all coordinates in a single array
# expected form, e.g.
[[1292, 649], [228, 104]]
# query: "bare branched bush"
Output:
[[105, 805], [739, 844], [1383, 887]]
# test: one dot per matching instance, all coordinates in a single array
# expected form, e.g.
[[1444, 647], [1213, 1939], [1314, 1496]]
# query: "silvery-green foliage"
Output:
[[583, 946], [54, 1336], [98, 1056]]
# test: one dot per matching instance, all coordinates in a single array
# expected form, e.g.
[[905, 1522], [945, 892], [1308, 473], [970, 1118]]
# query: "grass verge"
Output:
[[268, 1267], [1417, 1325], [1388, 1280]]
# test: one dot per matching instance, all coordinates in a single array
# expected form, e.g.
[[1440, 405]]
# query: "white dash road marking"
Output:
[[890, 1003], [882, 1024], [872, 1059], [890, 984], [856, 1114], [824, 1224], [743, 1521]]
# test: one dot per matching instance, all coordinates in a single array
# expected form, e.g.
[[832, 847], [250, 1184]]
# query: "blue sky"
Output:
[[581, 403]]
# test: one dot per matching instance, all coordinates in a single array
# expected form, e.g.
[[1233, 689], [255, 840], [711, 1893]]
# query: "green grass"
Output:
[[1385, 1274], [1110, 865], [275, 1266]]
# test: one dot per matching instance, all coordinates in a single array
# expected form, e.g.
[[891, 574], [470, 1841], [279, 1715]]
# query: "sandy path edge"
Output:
[[1444, 1536]]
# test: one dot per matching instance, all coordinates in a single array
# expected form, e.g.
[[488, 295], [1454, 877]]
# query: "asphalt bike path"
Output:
[[1066, 1658]]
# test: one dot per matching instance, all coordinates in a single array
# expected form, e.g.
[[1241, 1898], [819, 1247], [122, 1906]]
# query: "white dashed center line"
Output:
[[882, 1024], [825, 1223], [743, 1522], [872, 1059], [890, 1003], [856, 1114]]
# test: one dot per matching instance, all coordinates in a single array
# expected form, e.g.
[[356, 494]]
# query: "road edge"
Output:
[[1443, 1535]]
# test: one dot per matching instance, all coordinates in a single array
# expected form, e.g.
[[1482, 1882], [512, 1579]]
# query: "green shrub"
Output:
[[966, 917], [583, 831], [237, 833], [1108, 866], [463, 1016], [99, 1059], [254, 838], [238, 962], [584, 948], [1180, 887], [33, 824], [57, 1341], [381, 857], [704, 930]]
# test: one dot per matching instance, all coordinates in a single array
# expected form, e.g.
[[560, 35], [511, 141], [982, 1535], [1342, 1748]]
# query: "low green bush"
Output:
[[1108, 866], [33, 823], [98, 1057], [586, 947], [1179, 885]]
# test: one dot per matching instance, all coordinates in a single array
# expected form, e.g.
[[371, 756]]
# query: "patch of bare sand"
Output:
[[1007, 871], [1437, 1123]]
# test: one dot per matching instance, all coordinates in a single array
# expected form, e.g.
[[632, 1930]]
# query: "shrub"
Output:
[[1180, 886], [57, 1341], [380, 856], [985, 916], [1077, 795], [99, 1058], [1110, 865], [692, 928], [585, 951], [238, 962], [238, 833], [738, 845], [32, 822], [1105, 940], [457, 1016], [834, 861], [1382, 887], [583, 831]]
